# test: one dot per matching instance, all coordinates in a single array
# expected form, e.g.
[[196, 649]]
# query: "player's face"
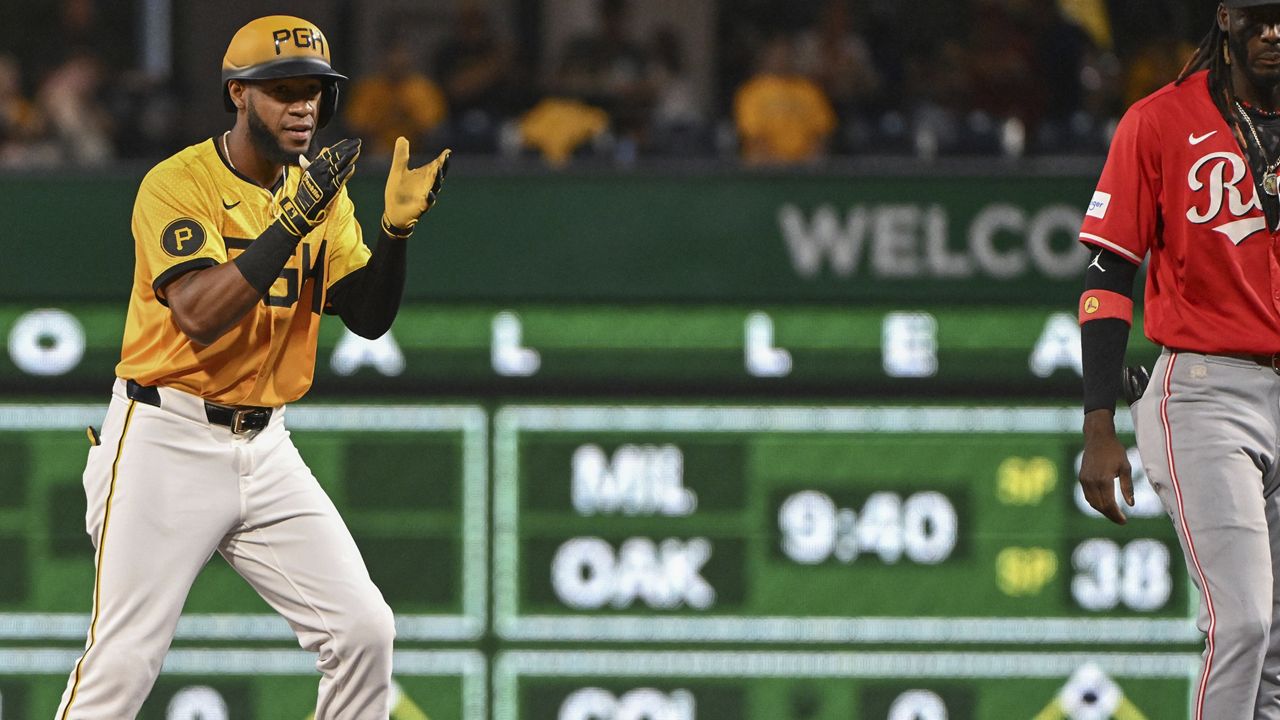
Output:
[[283, 115], [1254, 36]]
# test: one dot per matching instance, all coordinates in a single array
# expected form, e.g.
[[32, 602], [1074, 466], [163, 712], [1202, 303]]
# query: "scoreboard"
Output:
[[633, 512], [837, 685], [662, 561], [819, 525], [410, 481]]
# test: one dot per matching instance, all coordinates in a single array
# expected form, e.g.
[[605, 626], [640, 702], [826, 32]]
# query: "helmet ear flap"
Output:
[[328, 102]]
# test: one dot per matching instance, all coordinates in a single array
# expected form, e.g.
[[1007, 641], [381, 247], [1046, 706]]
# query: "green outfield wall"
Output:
[[629, 238]]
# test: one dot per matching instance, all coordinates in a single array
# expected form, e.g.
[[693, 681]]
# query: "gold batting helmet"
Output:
[[281, 46]]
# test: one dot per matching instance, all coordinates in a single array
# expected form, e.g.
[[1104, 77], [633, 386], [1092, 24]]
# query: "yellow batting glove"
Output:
[[410, 193]]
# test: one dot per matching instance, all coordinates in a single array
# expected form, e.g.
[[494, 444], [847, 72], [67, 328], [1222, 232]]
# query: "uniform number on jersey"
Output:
[[182, 237]]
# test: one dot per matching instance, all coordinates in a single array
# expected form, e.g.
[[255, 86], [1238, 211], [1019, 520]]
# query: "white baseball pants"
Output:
[[165, 489]]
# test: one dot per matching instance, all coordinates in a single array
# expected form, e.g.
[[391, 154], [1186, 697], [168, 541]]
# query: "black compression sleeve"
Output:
[[1109, 271], [1103, 342], [265, 257], [367, 300]]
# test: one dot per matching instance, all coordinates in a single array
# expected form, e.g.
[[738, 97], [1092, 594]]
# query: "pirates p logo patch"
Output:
[[182, 237]]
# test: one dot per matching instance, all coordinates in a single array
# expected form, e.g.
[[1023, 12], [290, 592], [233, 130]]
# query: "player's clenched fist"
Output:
[[322, 180], [1105, 460], [410, 193]]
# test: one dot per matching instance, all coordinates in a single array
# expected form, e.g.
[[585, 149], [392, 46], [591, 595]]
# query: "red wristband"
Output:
[[1100, 304]]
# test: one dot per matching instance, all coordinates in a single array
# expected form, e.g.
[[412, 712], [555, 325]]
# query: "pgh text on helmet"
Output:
[[281, 46]]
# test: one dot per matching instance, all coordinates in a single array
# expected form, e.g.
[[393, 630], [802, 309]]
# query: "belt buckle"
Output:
[[237, 421]]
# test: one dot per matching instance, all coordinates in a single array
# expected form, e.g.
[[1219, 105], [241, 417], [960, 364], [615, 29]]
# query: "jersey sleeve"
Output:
[[1124, 211], [347, 251], [173, 232]]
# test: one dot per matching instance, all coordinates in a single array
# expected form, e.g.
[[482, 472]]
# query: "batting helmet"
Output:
[[281, 46]]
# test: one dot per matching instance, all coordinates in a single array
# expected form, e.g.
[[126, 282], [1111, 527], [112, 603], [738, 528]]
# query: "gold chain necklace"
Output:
[[1270, 183]]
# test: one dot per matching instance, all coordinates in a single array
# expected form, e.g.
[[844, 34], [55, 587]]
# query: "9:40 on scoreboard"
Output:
[[819, 525]]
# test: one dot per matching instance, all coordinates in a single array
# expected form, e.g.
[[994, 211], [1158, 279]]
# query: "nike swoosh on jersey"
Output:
[[1197, 140], [231, 206]]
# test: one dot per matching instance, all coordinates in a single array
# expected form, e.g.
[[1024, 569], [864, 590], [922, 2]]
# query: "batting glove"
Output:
[[411, 193], [322, 180]]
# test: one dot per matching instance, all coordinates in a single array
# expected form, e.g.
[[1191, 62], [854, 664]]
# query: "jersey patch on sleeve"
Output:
[[1098, 206], [182, 237], [1104, 304]]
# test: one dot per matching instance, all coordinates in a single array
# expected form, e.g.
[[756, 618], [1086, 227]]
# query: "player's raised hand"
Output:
[[410, 193], [1105, 459], [322, 180]]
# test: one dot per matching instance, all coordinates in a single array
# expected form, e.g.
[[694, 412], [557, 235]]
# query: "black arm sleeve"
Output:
[[1103, 342], [265, 257], [367, 300]]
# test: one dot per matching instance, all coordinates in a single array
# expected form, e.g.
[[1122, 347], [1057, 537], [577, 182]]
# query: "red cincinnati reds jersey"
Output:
[[1177, 185]]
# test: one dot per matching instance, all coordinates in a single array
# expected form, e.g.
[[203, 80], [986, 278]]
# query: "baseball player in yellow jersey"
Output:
[[240, 247]]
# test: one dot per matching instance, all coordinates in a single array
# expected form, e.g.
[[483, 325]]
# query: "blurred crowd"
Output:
[[793, 83], [71, 97]]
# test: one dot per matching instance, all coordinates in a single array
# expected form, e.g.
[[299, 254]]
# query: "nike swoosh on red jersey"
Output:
[[1197, 140]]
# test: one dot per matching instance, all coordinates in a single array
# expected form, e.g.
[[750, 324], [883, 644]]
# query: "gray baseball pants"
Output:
[[1208, 429]]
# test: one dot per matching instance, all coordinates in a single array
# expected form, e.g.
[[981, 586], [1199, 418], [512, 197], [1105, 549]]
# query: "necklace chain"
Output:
[[228, 153], [1269, 178]]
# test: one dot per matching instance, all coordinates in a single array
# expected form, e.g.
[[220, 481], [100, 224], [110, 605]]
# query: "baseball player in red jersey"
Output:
[[1190, 182], [241, 244]]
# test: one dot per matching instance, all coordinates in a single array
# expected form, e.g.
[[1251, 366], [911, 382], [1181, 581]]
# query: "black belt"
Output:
[[240, 419], [1271, 362]]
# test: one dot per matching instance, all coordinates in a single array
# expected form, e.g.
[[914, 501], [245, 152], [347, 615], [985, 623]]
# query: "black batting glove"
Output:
[[322, 180]]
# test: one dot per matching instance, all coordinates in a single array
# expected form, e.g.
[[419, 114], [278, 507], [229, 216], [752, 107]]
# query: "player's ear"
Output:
[[236, 89]]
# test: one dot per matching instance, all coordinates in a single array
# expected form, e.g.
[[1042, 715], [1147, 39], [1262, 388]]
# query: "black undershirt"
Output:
[[367, 299], [1103, 341], [1268, 127]]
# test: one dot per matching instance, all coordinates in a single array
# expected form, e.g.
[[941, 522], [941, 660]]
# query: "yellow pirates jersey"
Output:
[[194, 211]]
